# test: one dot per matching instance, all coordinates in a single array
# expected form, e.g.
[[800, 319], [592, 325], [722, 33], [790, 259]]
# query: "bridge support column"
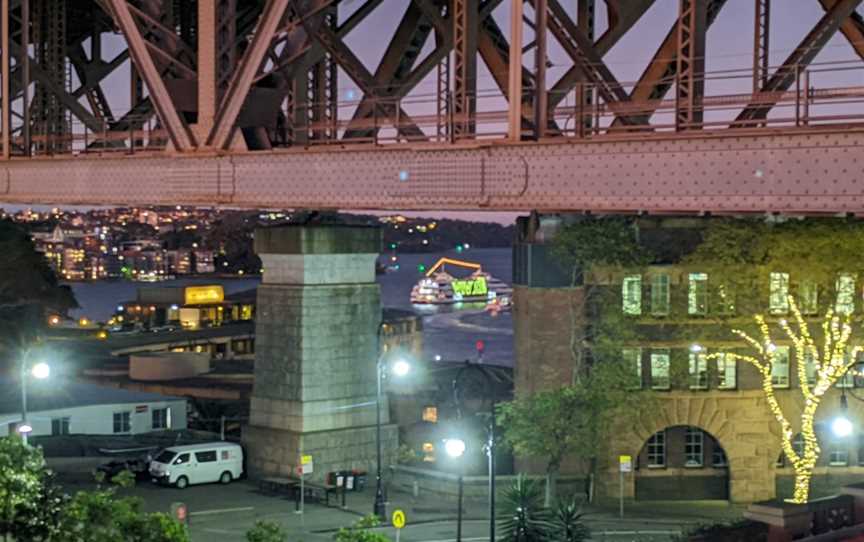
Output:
[[319, 310]]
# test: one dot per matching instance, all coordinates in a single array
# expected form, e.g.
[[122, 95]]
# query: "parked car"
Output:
[[198, 464], [137, 467]]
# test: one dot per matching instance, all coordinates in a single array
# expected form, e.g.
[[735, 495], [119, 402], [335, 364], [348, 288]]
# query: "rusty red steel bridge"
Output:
[[263, 103]]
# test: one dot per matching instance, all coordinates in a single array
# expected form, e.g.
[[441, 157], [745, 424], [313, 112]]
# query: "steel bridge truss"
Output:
[[226, 77]]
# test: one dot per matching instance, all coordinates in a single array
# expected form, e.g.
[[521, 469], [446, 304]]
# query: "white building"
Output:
[[60, 407]]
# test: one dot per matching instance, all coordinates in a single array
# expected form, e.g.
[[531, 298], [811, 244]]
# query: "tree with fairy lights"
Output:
[[829, 364]]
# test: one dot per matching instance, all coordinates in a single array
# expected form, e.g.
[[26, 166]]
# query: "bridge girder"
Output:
[[248, 71], [748, 171]]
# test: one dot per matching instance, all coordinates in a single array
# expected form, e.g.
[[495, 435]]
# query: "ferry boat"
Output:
[[438, 287]]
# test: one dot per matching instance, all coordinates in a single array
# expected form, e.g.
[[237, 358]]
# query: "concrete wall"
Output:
[[99, 419]]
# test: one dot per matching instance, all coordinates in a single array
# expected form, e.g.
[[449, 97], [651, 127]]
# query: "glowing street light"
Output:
[[455, 448], [401, 368], [841, 427], [39, 370]]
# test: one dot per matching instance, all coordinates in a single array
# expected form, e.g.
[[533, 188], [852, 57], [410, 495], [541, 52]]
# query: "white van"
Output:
[[198, 464]]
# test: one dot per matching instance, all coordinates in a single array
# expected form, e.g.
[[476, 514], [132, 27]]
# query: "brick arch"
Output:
[[740, 424]]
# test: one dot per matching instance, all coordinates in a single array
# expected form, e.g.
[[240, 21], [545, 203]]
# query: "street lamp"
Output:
[[455, 448], [399, 368], [490, 443], [39, 370]]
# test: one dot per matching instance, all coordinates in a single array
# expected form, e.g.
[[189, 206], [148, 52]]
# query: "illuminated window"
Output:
[[698, 371], [656, 450], [780, 367], [430, 414], [693, 440], [660, 294], [808, 297], [660, 369], [845, 288], [697, 294], [633, 358], [631, 292], [726, 369], [810, 367], [428, 452], [778, 299]]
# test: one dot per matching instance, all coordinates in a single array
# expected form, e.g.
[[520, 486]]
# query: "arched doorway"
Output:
[[682, 463]]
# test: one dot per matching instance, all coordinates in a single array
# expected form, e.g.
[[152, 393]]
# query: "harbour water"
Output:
[[449, 331]]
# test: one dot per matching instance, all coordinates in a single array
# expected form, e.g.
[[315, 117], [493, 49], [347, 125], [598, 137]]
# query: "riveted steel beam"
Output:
[[690, 85], [652, 173], [852, 27]]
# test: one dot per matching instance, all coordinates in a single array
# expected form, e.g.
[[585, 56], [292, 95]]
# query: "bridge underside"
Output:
[[805, 172]]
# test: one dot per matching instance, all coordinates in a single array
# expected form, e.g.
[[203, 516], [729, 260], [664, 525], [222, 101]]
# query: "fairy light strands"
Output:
[[829, 366]]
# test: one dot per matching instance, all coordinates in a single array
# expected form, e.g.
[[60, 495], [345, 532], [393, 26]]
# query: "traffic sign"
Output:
[[398, 519], [625, 463]]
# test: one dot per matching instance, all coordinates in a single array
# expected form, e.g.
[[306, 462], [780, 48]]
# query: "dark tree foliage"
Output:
[[29, 291]]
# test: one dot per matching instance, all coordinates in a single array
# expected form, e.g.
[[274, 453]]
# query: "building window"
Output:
[[122, 423], [718, 457], [698, 371], [725, 300], [656, 450], [430, 414], [780, 367], [631, 293], [693, 439], [660, 294], [697, 294], [838, 456], [633, 358], [160, 418], [810, 367], [428, 452], [808, 297], [845, 287], [778, 299], [726, 369], [660, 369], [60, 426]]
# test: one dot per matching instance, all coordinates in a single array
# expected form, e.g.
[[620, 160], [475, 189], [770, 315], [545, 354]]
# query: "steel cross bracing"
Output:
[[230, 77]]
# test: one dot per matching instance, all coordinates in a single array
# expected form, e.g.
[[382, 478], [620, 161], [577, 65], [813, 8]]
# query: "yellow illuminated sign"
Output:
[[202, 295]]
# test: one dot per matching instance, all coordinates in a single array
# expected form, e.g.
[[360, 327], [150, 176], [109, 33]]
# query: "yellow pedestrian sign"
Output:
[[398, 519]]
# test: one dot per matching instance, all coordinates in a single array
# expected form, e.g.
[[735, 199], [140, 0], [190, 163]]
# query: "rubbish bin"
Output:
[[360, 479]]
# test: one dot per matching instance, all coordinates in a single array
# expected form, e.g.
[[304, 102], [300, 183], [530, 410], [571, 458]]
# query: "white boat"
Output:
[[438, 287]]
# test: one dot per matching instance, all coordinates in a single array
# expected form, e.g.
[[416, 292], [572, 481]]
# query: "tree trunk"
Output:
[[551, 484]]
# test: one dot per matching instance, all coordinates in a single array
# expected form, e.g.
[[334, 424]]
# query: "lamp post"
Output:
[[40, 371], [490, 442], [455, 448], [399, 368]]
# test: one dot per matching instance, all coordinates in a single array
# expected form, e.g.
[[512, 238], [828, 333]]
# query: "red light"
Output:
[[480, 345]]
